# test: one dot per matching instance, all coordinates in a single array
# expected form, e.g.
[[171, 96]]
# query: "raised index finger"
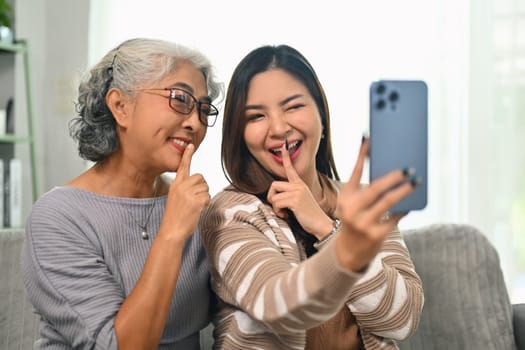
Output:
[[289, 170], [183, 171]]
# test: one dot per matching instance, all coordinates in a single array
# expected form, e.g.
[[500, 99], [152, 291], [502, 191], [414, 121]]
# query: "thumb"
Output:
[[183, 171]]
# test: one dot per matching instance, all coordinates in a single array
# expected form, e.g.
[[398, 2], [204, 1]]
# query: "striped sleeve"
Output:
[[255, 266], [387, 301]]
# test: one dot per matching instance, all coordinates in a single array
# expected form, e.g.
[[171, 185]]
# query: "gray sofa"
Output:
[[467, 306], [18, 324], [466, 301]]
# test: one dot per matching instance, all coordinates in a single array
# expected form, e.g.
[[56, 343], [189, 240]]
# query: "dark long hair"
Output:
[[241, 169]]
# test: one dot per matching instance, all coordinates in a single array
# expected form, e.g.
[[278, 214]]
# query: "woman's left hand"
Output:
[[295, 195]]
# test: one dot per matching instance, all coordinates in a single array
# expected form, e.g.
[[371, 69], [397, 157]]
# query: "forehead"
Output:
[[187, 76], [274, 83]]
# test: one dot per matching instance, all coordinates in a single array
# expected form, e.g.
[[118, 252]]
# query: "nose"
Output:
[[192, 120], [279, 126]]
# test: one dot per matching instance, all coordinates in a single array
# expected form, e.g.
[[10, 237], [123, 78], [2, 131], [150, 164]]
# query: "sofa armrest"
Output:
[[518, 319]]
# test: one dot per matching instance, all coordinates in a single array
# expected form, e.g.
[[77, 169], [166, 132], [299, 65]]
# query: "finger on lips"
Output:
[[183, 170], [289, 170]]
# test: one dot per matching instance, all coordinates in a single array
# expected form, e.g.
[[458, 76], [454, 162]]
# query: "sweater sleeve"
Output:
[[67, 280], [387, 301], [255, 266]]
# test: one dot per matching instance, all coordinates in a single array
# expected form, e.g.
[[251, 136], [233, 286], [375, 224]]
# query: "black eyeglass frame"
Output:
[[213, 111]]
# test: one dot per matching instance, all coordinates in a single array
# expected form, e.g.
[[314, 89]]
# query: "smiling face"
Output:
[[154, 135], [278, 108]]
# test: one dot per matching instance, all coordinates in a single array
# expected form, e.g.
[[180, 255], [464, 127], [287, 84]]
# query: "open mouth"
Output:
[[179, 142], [292, 149]]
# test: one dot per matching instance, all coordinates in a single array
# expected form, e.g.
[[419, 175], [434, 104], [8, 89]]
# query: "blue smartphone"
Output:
[[399, 135]]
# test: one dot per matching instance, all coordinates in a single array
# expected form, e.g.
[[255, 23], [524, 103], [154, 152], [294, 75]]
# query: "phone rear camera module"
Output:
[[381, 89], [380, 104], [393, 97]]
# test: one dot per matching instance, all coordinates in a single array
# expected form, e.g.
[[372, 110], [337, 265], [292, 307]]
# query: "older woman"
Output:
[[111, 258]]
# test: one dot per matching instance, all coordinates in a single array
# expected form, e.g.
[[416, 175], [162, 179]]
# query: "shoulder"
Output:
[[58, 199], [68, 199], [231, 207], [230, 197], [70, 207]]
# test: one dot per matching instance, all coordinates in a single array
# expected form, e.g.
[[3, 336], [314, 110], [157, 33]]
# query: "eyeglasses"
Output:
[[183, 102]]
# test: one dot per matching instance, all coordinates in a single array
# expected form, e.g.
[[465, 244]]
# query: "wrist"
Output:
[[336, 226], [349, 258]]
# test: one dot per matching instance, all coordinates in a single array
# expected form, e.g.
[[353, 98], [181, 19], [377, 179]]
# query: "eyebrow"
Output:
[[282, 103]]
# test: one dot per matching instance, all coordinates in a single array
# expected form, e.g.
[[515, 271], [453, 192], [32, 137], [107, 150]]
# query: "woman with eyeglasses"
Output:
[[112, 259], [299, 259]]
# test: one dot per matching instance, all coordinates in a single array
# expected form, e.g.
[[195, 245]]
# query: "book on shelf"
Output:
[[9, 117], [11, 192], [2, 193], [15, 192]]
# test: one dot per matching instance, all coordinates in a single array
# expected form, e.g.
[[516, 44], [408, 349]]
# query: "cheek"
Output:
[[254, 138], [315, 126], [200, 137]]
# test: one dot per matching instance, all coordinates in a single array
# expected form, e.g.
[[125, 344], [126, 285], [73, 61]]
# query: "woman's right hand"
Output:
[[362, 211], [188, 196]]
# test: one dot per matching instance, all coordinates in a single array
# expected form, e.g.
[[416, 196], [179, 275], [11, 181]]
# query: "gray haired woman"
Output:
[[112, 259]]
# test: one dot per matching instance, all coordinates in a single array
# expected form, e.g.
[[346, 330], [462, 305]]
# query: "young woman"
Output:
[[299, 259], [111, 260]]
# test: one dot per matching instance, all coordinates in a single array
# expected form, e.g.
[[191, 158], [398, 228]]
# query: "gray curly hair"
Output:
[[129, 66]]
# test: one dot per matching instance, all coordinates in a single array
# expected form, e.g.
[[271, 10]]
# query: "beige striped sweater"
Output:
[[269, 293]]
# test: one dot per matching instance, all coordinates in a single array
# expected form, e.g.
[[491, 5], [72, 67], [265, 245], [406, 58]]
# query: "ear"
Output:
[[120, 106]]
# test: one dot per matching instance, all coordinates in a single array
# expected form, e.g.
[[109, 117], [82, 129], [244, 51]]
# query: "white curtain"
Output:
[[470, 53]]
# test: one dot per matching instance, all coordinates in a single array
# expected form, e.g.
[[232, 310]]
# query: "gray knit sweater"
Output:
[[83, 255]]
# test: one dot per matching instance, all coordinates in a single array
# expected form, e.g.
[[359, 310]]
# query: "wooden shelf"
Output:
[[14, 48], [14, 139]]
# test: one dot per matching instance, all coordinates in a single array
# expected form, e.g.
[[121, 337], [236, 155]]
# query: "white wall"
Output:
[[57, 34]]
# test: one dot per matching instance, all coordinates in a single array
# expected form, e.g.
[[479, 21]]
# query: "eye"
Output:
[[205, 108], [295, 106], [181, 97], [254, 117]]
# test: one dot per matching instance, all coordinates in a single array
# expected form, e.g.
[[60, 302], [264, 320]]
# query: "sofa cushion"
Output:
[[466, 301], [518, 310], [18, 323]]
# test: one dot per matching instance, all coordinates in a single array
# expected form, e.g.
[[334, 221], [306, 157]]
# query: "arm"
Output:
[[79, 279], [251, 271], [142, 317], [67, 279], [388, 300], [93, 282]]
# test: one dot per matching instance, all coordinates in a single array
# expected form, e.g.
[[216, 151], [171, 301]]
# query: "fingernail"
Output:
[[286, 144], [415, 181], [409, 172], [363, 138]]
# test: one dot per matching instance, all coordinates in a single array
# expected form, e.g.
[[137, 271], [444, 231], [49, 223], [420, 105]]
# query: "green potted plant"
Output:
[[6, 11]]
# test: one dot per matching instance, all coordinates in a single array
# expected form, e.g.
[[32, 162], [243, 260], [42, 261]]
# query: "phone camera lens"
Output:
[[380, 104], [381, 88], [394, 96]]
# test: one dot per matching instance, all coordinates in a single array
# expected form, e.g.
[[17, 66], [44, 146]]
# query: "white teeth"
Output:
[[290, 146], [180, 142], [293, 144]]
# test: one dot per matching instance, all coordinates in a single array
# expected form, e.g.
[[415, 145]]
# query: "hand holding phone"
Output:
[[399, 135]]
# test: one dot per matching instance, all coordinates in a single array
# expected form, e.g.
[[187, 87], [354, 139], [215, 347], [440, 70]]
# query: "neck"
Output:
[[133, 183], [316, 186]]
